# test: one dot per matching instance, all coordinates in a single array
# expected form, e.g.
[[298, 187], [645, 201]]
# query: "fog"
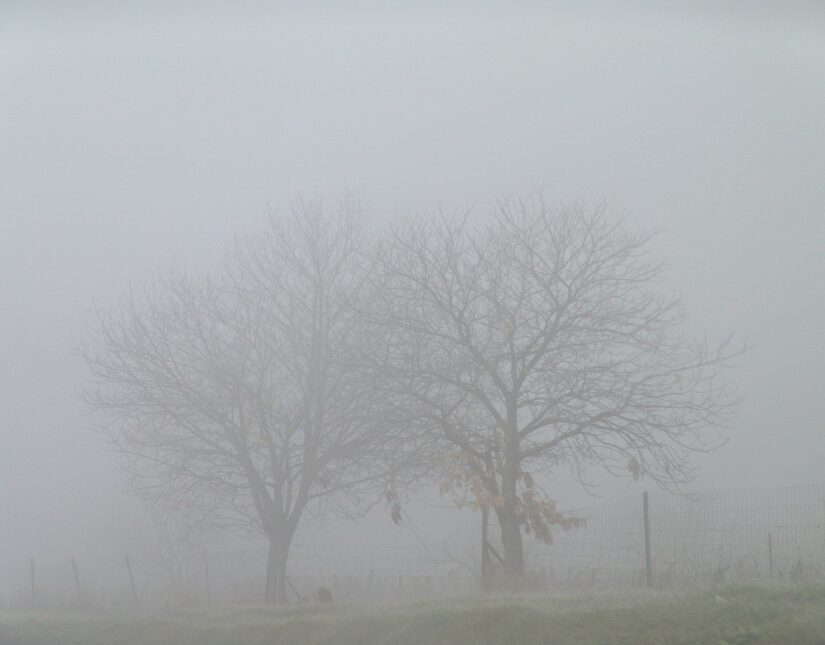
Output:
[[136, 138]]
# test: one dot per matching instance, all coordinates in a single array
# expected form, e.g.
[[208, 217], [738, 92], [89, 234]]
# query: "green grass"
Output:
[[734, 616]]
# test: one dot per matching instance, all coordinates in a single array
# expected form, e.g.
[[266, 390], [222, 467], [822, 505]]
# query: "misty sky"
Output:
[[131, 139]]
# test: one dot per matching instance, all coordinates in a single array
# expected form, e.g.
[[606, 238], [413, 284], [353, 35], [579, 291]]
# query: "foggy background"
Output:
[[133, 138]]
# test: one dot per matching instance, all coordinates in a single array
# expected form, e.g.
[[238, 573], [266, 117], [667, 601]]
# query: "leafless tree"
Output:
[[233, 391], [536, 341]]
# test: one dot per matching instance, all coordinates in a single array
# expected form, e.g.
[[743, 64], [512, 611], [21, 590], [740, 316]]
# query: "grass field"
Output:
[[734, 616]]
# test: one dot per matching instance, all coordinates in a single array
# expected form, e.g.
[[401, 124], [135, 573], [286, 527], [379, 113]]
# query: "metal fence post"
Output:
[[80, 598], [648, 564], [131, 580], [206, 577], [485, 554]]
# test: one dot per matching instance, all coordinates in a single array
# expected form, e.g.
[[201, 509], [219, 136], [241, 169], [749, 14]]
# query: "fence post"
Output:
[[31, 580], [770, 555], [206, 577], [81, 601], [648, 564], [131, 580], [485, 554]]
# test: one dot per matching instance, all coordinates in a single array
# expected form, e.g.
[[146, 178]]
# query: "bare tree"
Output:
[[537, 341], [232, 391]]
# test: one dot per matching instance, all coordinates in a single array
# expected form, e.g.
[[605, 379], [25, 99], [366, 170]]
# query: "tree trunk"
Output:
[[508, 520], [485, 551], [513, 547], [275, 590]]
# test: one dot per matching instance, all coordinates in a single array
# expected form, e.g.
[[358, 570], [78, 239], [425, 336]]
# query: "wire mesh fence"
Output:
[[699, 539], [718, 537]]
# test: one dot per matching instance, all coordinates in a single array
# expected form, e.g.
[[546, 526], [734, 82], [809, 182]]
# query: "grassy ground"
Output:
[[741, 616]]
